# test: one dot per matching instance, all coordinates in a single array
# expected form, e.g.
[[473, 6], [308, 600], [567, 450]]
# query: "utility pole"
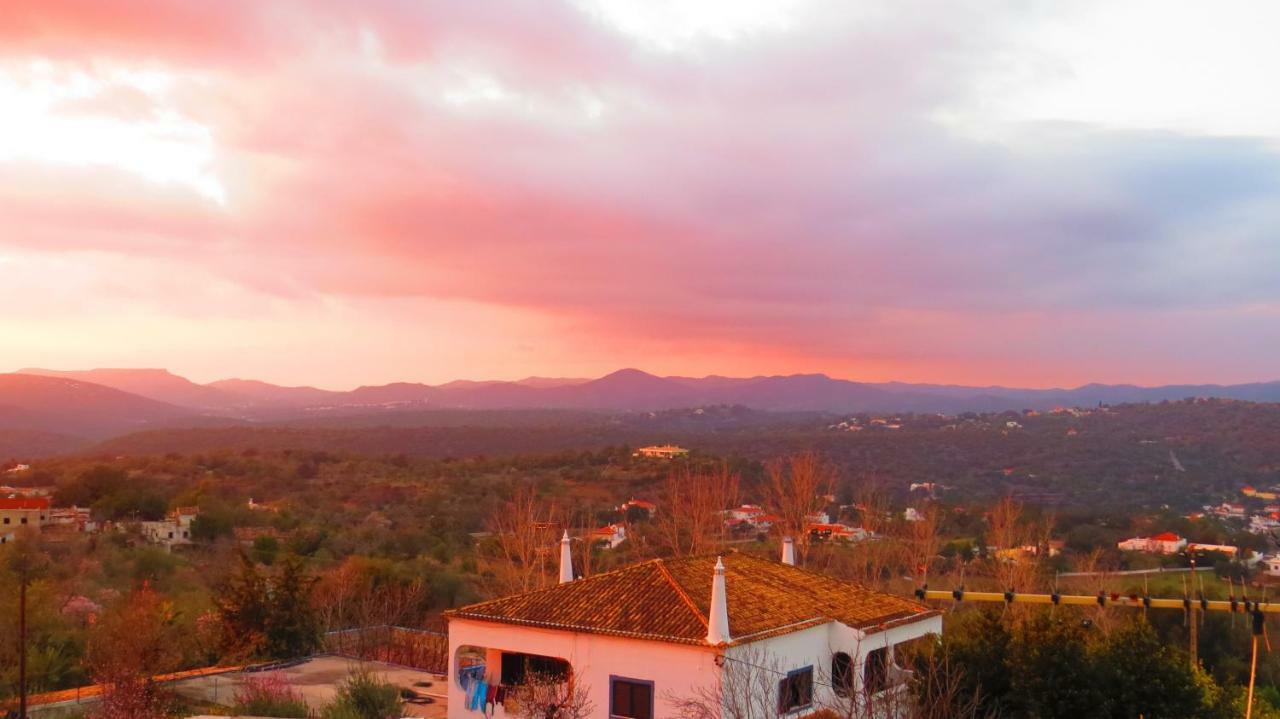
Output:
[[22, 644], [1192, 630], [25, 563]]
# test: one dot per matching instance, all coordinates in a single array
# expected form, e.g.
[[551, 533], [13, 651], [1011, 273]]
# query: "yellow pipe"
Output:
[[1124, 600]]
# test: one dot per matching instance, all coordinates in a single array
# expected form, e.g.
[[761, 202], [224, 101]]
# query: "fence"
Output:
[[417, 648]]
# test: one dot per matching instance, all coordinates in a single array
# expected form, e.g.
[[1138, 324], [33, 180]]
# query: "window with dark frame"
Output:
[[796, 691], [842, 674], [875, 674], [630, 699]]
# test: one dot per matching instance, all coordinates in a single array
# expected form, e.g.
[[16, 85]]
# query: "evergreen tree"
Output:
[[292, 627], [1142, 676], [268, 616], [1051, 675], [242, 603]]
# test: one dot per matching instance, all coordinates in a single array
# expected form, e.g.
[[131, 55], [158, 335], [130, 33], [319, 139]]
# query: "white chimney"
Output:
[[566, 559], [788, 551], [718, 622]]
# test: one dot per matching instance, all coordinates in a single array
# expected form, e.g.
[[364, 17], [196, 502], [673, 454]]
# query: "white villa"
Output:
[[173, 530], [661, 451], [1164, 543], [610, 535], [639, 640]]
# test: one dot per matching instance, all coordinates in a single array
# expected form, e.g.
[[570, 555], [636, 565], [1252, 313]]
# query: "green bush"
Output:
[[364, 696]]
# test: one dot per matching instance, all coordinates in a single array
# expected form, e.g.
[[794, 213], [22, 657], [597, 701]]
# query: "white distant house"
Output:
[[173, 530], [818, 518], [837, 531], [1226, 549], [1272, 563], [638, 640], [750, 516], [17, 512], [1263, 523], [610, 535], [79, 519], [661, 451], [1163, 543], [647, 507]]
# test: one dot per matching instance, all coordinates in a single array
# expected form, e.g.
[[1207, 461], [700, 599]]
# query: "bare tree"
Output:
[[920, 544], [1016, 540], [525, 533], [797, 488], [873, 560], [692, 522], [128, 646], [545, 696], [746, 688], [932, 689]]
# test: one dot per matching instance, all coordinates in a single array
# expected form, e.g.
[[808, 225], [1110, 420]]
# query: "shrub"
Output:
[[364, 696], [270, 696]]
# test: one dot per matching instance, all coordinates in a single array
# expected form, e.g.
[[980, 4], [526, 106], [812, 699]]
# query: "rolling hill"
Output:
[[70, 407], [157, 384]]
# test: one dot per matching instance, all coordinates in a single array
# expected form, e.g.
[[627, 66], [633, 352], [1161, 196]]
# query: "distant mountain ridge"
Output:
[[66, 406], [626, 390]]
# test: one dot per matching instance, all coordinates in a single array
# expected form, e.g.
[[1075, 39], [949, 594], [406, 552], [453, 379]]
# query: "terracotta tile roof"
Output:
[[24, 502], [668, 600]]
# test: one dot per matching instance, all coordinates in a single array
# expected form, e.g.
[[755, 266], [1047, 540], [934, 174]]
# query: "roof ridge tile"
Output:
[[680, 592]]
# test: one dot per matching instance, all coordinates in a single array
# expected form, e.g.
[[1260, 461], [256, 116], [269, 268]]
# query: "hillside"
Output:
[[71, 407], [157, 384], [632, 390], [1117, 458]]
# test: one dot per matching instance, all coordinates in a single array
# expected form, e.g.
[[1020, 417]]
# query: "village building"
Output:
[[1163, 543], [173, 530], [837, 532], [639, 505], [1268, 495], [610, 536], [1264, 523], [17, 512], [638, 640], [1231, 510], [73, 518], [749, 517], [818, 518], [1226, 549], [661, 451]]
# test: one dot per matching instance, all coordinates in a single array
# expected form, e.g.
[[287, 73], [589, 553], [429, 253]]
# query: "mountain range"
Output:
[[100, 403]]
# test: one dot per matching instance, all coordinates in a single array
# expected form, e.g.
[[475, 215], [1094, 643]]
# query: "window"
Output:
[[23, 520], [520, 668], [842, 674], [6, 520], [875, 673], [630, 698], [796, 691]]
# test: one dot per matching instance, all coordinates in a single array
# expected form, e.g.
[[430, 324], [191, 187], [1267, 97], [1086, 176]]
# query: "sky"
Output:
[[346, 192]]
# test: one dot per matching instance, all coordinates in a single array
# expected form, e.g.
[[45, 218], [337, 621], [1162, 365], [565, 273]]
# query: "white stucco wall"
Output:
[[675, 669], [816, 645]]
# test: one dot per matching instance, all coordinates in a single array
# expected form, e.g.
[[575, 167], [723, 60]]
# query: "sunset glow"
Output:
[[338, 193]]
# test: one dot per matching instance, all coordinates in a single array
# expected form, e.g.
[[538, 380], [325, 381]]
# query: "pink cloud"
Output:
[[783, 203]]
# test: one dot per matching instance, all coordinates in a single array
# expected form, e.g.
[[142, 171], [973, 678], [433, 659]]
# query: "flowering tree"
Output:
[[131, 643]]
